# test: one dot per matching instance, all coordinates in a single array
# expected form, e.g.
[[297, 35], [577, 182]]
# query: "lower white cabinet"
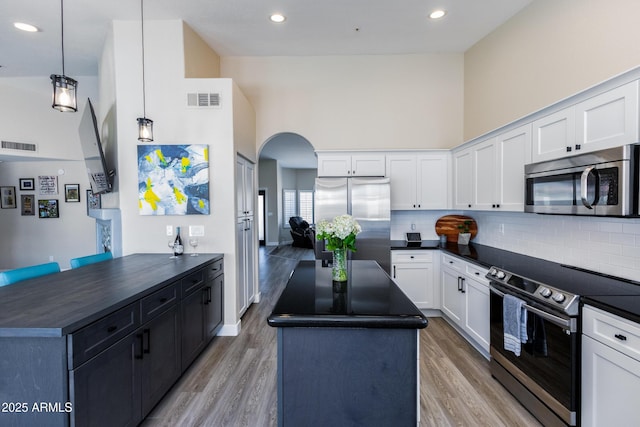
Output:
[[465, 299], [412, 271], [610, 369]]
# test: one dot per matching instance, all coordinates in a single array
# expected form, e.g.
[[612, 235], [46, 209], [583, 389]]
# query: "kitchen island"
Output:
[[347, 354], [101, 344]]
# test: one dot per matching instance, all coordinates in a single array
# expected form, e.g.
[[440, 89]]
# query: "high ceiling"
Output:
[[243, 28]]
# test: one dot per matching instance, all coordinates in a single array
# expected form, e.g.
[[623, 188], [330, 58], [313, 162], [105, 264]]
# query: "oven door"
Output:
[[547, 365]]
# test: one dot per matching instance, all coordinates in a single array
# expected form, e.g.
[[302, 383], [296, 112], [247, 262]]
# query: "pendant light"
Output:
[[145, 125], [64, 88]]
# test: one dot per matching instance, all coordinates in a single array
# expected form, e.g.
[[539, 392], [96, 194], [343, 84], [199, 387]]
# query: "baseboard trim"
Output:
[[230, 330], [273, 243], [256, 297]]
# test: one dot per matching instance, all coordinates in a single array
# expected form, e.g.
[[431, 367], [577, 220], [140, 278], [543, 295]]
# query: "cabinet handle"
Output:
[[112, 329], [620, 337], [450, 262], [477, 274], [394, 271], [163, 300], [204, 296], [147, 332], [141, 355], [412, 257], [462, 285], [459, 283]]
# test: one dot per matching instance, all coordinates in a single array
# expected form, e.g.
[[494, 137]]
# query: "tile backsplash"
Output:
[[606, 245]]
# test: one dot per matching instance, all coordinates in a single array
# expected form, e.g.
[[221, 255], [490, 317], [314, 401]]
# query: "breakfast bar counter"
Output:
[[347, 353]]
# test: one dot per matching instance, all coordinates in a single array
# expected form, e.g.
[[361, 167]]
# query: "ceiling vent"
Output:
[[203, 100], [22, 146]]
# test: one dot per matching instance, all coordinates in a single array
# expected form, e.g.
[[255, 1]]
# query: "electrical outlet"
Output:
[[196, 230], [501, 228], [413, 227], [50, 258], [169, 230]]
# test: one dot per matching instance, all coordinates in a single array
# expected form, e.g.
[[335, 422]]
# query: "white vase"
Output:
[[463, 238]]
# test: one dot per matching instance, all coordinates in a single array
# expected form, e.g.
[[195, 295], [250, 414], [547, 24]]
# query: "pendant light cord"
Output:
[[144, 101], [62, 32]]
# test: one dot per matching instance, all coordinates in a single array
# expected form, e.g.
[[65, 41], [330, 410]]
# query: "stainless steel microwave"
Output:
[[601, 183]]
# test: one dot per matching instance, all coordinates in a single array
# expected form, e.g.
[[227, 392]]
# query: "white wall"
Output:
[[27, 116], [355, 102]]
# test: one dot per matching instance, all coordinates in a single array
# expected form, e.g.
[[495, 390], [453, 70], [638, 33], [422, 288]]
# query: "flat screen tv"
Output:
[[100, 177]]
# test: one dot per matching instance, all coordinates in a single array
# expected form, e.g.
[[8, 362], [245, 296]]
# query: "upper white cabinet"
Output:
[[350, 164], [490, 174], [419, 181], [244, 187], [463, 179], [607, 120]]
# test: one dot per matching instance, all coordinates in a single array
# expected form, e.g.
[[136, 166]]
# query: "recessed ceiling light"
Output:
[[437, 14], [25, 27], [277, 18]]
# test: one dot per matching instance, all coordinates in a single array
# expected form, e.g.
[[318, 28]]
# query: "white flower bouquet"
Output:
[[339, 233]]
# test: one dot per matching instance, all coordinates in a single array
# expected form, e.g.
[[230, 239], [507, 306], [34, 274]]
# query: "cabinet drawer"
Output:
[[101, 334], [412, 256], [158, 302], [478, 273], [453, 262], [192, 282], [616, 332], [215, 269]]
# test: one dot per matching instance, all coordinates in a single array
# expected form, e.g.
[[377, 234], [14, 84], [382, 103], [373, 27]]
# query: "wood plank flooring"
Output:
[[233, 382]]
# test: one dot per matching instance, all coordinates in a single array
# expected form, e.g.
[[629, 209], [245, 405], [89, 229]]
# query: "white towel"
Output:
[[514, 319]]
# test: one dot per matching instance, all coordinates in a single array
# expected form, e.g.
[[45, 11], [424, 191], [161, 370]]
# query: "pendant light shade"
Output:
[[64, 88], [64, 93], [145, 129], [145, 125]]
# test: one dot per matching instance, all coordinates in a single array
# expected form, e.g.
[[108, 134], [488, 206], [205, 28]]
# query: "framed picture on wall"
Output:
[[93, 201], [27, 184], [27, 204], [72, 192], [48, 208], [48, 185], [8, 197]]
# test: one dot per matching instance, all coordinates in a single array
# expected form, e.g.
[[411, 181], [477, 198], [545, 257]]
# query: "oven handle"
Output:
[[569, 324]]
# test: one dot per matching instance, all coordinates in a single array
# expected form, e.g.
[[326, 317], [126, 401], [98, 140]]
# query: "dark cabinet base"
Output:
[[347, 377]]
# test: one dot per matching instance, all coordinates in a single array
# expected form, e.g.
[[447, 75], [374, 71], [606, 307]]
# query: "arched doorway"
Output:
[[287, 167]]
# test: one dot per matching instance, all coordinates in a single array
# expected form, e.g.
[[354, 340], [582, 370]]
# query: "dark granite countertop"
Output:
[[619, 296], [371, 300]]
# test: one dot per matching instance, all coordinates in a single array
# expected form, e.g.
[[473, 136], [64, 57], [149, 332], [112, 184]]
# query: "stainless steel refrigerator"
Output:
[[368, 201]]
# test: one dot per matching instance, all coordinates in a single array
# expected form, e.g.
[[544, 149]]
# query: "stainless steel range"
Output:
[[545, 376]]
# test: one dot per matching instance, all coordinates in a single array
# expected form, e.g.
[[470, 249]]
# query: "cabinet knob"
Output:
[[578, 146], [412, 256], [568, 149], [469, 205]]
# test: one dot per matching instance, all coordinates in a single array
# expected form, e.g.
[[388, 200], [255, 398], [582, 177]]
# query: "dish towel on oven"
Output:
[[514, 318]]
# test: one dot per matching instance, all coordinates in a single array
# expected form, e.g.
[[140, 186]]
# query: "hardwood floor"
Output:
[[233, 382]]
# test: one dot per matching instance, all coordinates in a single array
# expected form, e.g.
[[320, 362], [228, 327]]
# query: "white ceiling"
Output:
[[242, 27]]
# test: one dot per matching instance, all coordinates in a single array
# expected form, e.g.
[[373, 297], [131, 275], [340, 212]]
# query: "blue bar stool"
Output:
[[19, 274], [90, 259]]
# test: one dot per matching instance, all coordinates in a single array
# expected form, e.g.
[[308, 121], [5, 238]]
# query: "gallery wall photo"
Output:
[[173, 179]]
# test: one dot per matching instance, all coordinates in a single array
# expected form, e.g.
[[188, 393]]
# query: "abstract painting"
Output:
[[173, 179]]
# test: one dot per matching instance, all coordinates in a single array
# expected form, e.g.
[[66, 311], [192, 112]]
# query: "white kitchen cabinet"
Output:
[[607, 120], [465, 300], [489, 175], [246, 239], [350, 164], [610, 369], [463, 179], [419, 181], [412, 271]]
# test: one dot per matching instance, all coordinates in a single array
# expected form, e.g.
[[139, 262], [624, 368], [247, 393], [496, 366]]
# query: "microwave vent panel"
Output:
[[203, 100]]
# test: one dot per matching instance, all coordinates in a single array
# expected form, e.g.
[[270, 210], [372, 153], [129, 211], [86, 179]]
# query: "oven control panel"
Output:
[[548, 295]]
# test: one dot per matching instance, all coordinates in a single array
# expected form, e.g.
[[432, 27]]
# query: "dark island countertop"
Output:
[[371, 300], [60, 303]]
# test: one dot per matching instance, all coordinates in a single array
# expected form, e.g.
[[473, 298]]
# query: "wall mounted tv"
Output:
[[100, 177]]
